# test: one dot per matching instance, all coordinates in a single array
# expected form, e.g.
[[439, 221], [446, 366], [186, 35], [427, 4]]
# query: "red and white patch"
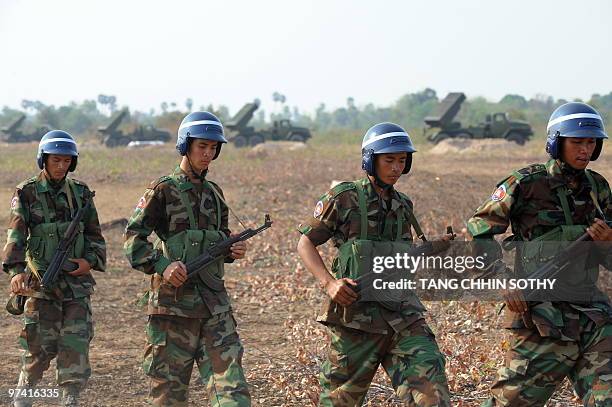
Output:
[[14, 202], [499, 194], [318, 209], [141, 203]]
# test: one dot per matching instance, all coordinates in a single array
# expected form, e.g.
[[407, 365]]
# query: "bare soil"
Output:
[[274, 299]]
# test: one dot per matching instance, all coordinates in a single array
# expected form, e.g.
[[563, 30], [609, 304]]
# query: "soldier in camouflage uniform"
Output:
[[556, 201], [188, 319], [58, 320], [365, 335]]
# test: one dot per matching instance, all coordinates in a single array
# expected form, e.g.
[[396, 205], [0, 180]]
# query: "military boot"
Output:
[[19, 400], [70, 396]]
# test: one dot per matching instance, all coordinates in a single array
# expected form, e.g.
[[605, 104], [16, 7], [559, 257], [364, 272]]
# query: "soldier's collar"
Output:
[[373, 194], [44, 183], [561, 174], [182, 178]]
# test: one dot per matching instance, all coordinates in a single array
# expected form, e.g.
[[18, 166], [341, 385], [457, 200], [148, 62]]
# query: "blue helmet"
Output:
[[384, 138], [202, 125], [57, 142], [574, 120]]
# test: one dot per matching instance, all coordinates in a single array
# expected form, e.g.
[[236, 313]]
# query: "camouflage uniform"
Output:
[[365, 334], [192, 322], [58, 322], [566, 339]]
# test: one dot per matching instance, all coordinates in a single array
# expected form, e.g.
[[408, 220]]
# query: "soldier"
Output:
[[58, 320], [188, 319], [366, 334], [556, 201]]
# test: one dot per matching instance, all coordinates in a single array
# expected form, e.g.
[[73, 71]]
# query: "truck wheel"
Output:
[[110, 142], [254, 140], [239, 141], [439, 137], [298, 138], [517, 137]]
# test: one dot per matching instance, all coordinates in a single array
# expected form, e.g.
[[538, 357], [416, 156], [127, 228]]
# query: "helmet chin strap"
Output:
[[199, 176], [381, 183], [569, 170]]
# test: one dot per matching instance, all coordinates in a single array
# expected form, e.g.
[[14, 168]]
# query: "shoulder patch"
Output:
[[158, 181], [499, 194], [141, 202], [318, 209], [14, 202]]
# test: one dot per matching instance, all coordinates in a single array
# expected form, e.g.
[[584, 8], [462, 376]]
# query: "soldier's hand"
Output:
[[83, 269], [340, 291], [515, 301], [175, 273], [238, 249], [600, 231], [18, 283]]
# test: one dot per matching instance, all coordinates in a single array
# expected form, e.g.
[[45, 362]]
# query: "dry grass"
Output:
[[275, 299]]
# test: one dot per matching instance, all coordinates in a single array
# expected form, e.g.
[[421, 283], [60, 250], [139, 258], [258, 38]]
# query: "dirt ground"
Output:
[[274, 299]]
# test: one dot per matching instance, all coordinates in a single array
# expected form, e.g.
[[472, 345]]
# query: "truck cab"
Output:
[[496, 124]]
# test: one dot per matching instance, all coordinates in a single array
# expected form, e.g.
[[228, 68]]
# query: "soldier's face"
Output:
[[389, 167], [576, 152], [201, 153], [57, 166]]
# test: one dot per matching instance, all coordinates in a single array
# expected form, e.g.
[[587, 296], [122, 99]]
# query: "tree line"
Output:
[[409, 110]]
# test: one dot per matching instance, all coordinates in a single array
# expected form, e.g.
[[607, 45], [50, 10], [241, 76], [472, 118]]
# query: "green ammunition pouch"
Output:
[[355, 256], [546, 247], [190, 243], [44, 238]]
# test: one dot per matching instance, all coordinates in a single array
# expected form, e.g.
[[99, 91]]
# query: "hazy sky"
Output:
[[230, 52]]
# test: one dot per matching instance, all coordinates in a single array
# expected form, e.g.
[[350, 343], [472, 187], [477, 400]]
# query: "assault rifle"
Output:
[[561, 262], [59, 262], [219, 251]]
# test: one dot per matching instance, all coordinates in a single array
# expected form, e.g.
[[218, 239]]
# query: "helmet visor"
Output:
[[585, 133], [61, 147]]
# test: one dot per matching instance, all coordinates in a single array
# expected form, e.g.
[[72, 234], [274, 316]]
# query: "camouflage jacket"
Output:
[[337, 217], [27, 213], [161, 210], [527, 200]]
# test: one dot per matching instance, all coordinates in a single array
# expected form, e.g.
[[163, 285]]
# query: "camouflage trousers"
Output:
[[175, 343], [535, 365], [411, 359], [61, 329]]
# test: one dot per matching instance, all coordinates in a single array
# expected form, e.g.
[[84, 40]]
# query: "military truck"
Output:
[[497, 125], [242, 135], [111, 136], [12, 134]]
